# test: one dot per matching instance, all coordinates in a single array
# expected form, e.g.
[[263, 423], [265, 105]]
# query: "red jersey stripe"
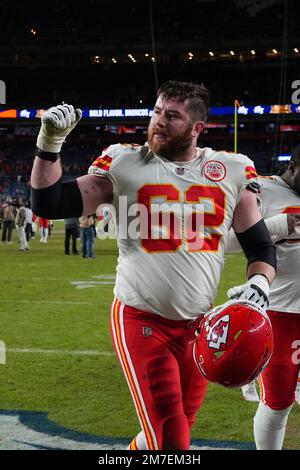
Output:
[[249, 176], [102, 166], [107, 158], [291, 210]]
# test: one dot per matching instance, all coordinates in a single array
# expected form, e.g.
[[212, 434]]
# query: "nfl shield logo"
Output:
[[180, 170], [147, 331]]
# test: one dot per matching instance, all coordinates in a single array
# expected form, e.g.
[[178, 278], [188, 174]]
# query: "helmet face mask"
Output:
[[235, 343]]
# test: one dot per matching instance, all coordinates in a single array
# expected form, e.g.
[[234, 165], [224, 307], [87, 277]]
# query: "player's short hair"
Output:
[[196, 95], [296, 155]]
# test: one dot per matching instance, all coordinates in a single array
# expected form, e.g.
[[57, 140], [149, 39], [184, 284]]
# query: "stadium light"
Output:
[[95, 59], [131, 57]]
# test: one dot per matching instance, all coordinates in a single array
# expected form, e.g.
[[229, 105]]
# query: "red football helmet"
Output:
[[234, 344]]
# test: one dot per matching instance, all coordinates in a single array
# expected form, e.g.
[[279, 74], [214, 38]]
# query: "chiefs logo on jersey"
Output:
[[214, 170], [218, 333]]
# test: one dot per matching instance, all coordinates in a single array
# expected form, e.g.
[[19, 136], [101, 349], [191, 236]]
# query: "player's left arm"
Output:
[[254, 237], [280, 226], [255, 240]]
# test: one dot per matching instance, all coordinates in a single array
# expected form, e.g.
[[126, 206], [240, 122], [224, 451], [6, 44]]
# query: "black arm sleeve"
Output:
[[257, 244], [59, 201]]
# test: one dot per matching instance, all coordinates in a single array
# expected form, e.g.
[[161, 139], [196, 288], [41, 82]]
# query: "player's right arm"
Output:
[[50, 197]]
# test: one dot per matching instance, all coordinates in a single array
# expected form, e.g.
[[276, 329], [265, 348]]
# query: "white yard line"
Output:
[[59, 351], [40, 279], [107, 279], [62, 302]]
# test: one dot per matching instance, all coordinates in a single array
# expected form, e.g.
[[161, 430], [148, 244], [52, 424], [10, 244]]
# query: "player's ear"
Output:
[[198, 128]]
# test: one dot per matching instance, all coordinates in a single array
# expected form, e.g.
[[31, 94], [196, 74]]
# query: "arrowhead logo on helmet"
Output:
[[217, 335], [234, 344]]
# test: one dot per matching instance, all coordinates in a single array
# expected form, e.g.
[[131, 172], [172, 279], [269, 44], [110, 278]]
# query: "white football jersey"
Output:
[[278, 197], [176, 276]]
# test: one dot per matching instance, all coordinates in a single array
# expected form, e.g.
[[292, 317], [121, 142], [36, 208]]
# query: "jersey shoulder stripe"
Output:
[[113, 155], [291, 210], [103, 162], [250, 172]]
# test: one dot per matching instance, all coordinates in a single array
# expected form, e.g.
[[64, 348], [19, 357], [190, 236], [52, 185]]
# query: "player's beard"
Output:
[[174, 147]]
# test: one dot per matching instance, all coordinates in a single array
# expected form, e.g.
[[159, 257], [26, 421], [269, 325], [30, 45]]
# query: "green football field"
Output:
[[59, 357]]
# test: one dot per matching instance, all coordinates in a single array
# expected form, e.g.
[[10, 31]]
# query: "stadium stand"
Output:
[[90, 57]]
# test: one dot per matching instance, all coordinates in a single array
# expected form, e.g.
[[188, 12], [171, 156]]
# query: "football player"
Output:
[[167, 276], [280, 202], [44, 229], [279, 226]]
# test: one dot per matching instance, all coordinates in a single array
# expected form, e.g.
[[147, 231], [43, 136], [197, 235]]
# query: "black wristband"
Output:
[[259, 274], [49, 156]]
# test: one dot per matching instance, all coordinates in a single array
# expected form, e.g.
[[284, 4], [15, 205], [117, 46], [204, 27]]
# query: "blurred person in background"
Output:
[[50, 227], [8, 215], [28, 227], [44, 229], [87, 236], [1, 215], [34, 225], [71, 232], [20, 222]]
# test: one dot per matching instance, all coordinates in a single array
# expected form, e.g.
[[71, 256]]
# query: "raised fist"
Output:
[[57, 123]]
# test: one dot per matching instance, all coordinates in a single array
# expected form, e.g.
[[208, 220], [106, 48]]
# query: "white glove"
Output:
[[256, 290], [57, 123]]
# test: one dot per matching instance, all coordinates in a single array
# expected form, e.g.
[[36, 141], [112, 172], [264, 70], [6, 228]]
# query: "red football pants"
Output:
[[279, 379], [157, 361], [44, 223]]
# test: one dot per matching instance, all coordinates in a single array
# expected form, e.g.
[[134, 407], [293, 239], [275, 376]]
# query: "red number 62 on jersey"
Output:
[[172, 238]]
